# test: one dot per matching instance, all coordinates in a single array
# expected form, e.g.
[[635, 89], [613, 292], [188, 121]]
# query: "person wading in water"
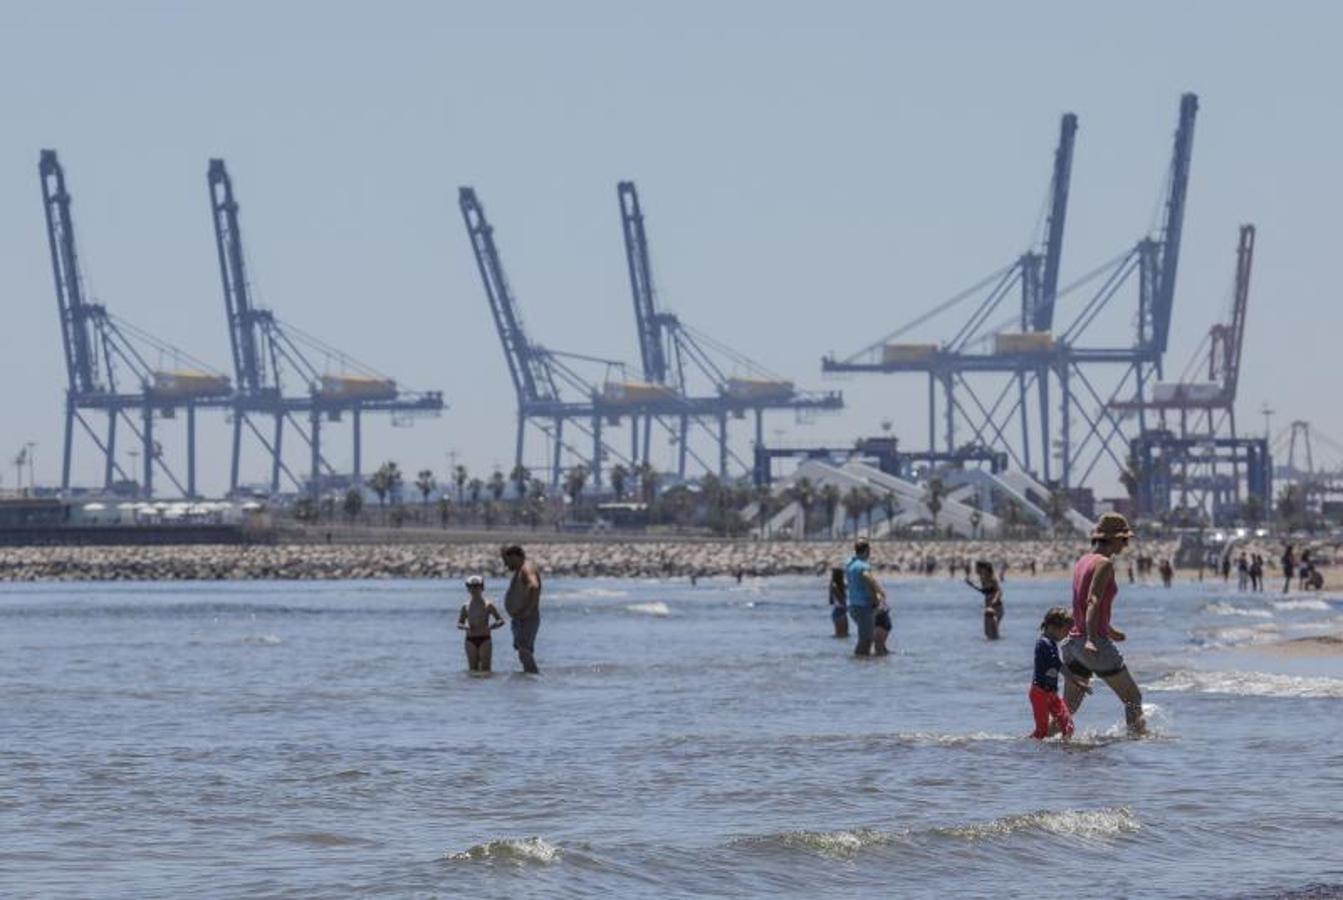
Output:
[[1090, 646], [523, 603]]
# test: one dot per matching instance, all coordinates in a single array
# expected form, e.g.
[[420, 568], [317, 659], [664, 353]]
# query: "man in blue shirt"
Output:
[[864, 595]]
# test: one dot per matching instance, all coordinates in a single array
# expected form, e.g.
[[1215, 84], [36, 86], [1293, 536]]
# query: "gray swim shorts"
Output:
[[1105, 660], [524, 633]]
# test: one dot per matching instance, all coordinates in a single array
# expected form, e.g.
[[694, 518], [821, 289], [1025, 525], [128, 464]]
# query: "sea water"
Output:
[[323, 739]]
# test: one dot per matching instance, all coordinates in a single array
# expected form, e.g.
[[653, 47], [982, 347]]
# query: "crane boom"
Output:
[[523, 360], [76, 336], [248, 362], [1228, 340], [651, 345], [1181, 155], [1042, 318]]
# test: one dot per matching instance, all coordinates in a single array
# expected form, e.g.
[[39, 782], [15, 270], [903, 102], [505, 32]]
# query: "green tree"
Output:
[[648, 483], [830, 498], [933, 492], [425, 484], [803, 492], [474, 487], [353, 504], [618, 476], [305, 510], [575, 481], [890, 506], [444, 510], [1059, 506], [459, 477], [521, 476], [853, 506], [497, 485]]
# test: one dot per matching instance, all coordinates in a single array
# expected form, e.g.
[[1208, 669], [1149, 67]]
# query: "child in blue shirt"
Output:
[[1051, 713]]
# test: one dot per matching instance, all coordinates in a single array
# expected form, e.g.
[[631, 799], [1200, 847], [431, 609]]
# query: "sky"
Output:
[[812, 176]]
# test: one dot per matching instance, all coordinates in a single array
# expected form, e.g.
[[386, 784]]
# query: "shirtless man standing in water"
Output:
[[523, 603], [1090, 646]]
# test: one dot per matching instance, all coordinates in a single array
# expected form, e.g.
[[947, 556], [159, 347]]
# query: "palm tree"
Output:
[[870, 502], [520, 476], [830, 498], [618, 475], [1059, 506], [932, 497], [575, 481], [853, 506], [380, 483], [474, 487], [444, 511], [354, 503], [459, 477], [648, 482], [496, 485], [890, 506], [425, 484], [804, 492]]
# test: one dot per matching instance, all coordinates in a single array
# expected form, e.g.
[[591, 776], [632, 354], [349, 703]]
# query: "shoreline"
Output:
[[565, 558]]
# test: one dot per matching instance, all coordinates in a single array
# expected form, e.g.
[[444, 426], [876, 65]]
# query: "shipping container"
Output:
[[1023, 342], [187, 383], [759, 388], [636, 392], [357, 387], [907, 353], [1174, 391]]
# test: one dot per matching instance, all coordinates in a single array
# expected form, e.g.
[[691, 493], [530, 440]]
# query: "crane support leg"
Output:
[[110, 455], [356, 424], [1025, 422], [722, 445], [559, 453], [759, 427], [316, 418], [648, 440], [191, 451], [148, 449], [1065, 438], [69, 443], [932, 413], [597, 451], [1045, 449], [517, 450], [238, 417], [276, 454], [634, 440], [681, 451]]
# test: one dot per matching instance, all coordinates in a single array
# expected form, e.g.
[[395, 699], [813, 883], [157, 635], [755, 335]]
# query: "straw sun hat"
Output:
[[1111, 525]]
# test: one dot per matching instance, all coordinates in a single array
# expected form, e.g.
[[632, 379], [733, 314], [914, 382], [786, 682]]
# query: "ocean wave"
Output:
[[1250, 684], [1080, 824], [1230, 609], [1318, 605], [843, 844], [521, 851], [655, 608], [1087, 826], [934, 739], [263, 640], [1238, 635]]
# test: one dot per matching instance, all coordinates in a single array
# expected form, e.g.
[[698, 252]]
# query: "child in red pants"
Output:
[[1046, 703]]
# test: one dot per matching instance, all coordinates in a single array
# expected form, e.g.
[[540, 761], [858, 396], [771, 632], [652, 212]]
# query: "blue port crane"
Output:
[[1198, 465], [111, 364], [1030, 352], [267, 350], [549, 388], [678, 360]]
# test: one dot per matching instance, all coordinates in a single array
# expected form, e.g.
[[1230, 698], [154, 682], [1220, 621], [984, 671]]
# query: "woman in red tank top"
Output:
[[1090, 647]]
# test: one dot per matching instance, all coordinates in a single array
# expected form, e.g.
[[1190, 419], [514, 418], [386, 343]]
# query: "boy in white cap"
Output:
[[474, 619]]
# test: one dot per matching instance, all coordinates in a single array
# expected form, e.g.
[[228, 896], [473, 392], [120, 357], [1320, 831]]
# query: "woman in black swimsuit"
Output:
[[993, 597]]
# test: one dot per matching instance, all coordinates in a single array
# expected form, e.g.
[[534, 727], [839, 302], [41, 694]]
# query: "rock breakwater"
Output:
[[608, 558]]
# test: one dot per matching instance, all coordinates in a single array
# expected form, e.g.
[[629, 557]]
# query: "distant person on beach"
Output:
[[1242, 572], [1288, 568], [1051, 713], [839, 607], [993, 597], [1090, 646], [1256, 573], [478, 618], [864, 594], [523, 603], [1168, 572]]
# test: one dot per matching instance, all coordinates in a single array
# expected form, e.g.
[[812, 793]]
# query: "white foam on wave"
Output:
[[1238, 635], [1251, 684], [842, 844], [515, 850], [934, 739], [1088, 825], [263, 640], [1230, 609], [655, 608], [1318, 605]]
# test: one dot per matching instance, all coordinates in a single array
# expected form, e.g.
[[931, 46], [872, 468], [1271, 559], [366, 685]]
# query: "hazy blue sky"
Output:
[[813, 175]]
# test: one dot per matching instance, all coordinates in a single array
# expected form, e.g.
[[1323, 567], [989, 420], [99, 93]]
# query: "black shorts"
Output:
[[882, 619]]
